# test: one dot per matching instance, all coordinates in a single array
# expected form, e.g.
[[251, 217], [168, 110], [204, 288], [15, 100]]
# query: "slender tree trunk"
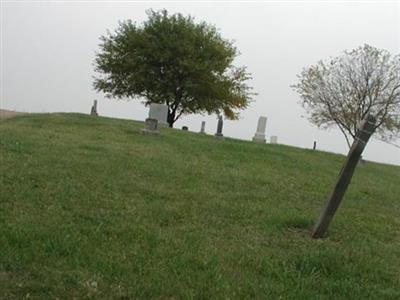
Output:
[[345, 136]]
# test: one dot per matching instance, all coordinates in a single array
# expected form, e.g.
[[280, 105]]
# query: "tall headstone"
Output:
[[150, 126], [203, 127], [259, 136], [159, 112], [93, 111], [220, 124], [274, 139], [315, 145]]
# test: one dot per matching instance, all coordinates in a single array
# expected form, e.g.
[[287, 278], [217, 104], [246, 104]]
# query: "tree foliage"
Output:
[[171, 59], [343, 90]]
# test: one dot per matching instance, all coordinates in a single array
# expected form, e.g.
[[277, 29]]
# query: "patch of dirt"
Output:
[[6, 114]]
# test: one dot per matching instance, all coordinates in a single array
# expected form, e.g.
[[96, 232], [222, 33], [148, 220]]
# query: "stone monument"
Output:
[[150, 126], [220, 124], [259, 136], [159, 112], [203, 127], [274, 139], [93, 111]]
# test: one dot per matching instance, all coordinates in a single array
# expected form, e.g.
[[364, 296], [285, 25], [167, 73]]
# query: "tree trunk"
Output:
[[171, 118]]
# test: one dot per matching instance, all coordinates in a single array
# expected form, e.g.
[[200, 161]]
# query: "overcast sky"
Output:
[[48, 47]]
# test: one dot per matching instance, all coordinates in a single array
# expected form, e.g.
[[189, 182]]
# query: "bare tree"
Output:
[[342, 91]]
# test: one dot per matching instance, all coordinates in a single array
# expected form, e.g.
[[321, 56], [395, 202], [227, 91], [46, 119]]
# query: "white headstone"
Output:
[[274, 139], [259, 136], [159, 112]]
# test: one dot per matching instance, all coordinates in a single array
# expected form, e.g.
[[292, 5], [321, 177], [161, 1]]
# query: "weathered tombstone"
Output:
[[203, 127], [365, 130], [220, 124], [274, 139], [93, 111], [315, 145], [150, 126], [185, 128], [159, 112], [259, 136]]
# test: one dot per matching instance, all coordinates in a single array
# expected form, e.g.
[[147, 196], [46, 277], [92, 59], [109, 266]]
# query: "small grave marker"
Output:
[[220, 125], [274, 139], [150, 126], [203, 127]]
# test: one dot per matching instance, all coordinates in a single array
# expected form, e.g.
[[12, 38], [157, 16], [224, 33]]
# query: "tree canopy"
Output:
[[173, 60], [343, 90]]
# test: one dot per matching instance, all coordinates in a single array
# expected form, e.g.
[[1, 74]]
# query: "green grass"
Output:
[[90, 208]]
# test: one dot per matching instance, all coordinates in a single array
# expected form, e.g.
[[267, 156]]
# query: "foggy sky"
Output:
[[48, 48]]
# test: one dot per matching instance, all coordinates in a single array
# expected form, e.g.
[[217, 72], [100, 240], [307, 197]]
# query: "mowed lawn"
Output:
[[92, 209]]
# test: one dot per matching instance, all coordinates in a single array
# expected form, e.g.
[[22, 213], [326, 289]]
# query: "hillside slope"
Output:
[[90, 208]]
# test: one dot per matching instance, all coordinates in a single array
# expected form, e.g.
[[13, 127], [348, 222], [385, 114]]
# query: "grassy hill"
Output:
[[90, 208]]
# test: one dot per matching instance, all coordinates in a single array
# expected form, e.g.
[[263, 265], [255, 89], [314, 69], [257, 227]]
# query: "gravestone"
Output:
[[93, 111], [274, 139], [150, 126], [220, 124], [185, 128], [203, 127], [315, 145], [159, 112], [259, 136]]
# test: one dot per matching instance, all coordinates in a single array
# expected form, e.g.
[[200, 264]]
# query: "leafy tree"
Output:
[[171, 59], [342, 91]]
